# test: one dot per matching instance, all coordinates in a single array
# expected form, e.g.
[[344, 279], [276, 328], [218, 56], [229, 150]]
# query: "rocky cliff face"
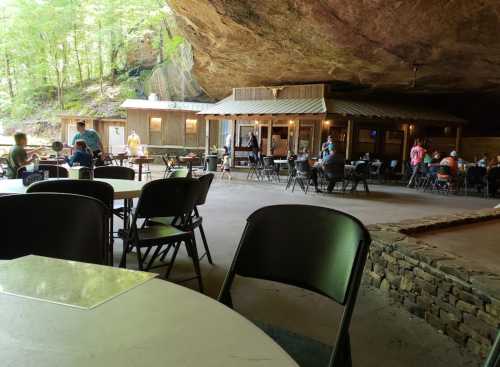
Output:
[[419, 45]]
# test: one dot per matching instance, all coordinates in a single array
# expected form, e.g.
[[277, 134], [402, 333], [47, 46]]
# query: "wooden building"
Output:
[[167, 124], [294, 117], [111, 130]]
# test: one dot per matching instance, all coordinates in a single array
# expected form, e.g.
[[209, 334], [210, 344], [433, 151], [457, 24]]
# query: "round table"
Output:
[[124, 189], [157, 323]]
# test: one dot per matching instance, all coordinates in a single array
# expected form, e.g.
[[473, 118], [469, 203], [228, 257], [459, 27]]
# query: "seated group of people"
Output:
[[83, 155], [421, 160]]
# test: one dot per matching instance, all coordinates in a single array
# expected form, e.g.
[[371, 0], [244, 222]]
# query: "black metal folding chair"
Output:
[[118, 173], [302, 175], [171, 197], [493, 359], [55, 171], [253, 168], [331, 264], [94, 189], [46, 228]]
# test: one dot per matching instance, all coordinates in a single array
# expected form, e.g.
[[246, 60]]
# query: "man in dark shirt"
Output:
[[18, 156]]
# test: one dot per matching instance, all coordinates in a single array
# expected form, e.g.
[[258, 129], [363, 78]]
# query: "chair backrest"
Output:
[[55, 171], [319, 251], [362, 168], [65, 226], [268, 162], [444, 170], [302, 166], [493, 359], [476, 174], [114, 172], [205, 183], [95, 189], [494, 173], [170, 197]]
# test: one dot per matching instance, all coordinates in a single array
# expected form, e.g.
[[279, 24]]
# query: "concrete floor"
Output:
[[381, 333]]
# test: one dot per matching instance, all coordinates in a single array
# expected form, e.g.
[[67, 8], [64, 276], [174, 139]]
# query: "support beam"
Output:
[[207, 137], [269, 137], [349, 139], [296, 128], [232, 131], [458, 140]]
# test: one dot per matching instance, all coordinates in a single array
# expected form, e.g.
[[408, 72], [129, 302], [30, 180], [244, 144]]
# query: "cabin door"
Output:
[[116, 139]]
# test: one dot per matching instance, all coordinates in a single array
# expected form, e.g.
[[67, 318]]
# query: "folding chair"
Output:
[[331, 264]]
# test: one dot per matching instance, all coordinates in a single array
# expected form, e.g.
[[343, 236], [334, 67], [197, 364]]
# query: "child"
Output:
[[226, 167]]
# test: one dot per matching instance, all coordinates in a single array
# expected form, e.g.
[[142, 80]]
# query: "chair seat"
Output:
[[305, 351], [161, 232], [166, 221]]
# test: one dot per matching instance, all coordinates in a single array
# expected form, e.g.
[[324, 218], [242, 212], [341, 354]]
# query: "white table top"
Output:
[[280, 161], [124, 189], [157, 323]]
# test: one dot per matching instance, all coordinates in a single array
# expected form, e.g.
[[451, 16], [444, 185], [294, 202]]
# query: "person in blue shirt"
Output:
[[91, 138], [81, 155]]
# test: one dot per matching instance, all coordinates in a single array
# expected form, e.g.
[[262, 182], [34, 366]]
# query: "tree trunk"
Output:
[[8, 74], [101, 71], [77, 56], [162, 57]]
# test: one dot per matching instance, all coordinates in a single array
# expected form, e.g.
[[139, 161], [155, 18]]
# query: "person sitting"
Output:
[[436, 157], [81, 155], [483, 161], [333, 169], [495, 162], [18, 157], [452, 162], [303, 155]]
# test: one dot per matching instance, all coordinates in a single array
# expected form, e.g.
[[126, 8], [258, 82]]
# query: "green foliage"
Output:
[[50, 47]]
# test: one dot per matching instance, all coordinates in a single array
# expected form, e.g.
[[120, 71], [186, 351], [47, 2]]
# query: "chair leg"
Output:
[[172, 260], [205, 245], [196, 262], [341, 356]]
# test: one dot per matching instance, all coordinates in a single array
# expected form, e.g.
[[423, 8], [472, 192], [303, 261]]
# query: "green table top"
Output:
[[65, 282], [124, 189]]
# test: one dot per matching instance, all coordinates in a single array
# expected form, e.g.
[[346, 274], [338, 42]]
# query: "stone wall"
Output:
[[445, 290]]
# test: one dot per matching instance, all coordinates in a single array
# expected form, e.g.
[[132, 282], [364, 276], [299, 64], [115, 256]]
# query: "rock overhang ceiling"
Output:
[[419, 46]]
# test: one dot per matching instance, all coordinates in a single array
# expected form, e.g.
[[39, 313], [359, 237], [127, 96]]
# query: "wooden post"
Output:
[[458, 140], [349, 139], [405, 148], [232, 131], [269, 137], [207, 137], [296, 129]]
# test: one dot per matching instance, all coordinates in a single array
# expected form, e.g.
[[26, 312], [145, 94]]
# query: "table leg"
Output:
[[190, 169], [123, 261], [140, 171]]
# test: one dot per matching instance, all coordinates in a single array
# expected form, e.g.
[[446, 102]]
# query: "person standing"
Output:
[[133, 143], [229, 143], [417, 154], [18, 157], [92, 139], [253, 144]]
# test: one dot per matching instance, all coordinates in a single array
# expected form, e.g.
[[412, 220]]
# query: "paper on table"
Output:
[[69, 283]]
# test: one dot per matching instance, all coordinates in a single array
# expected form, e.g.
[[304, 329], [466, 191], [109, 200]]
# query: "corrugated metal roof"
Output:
[[144, 104], [267, 107], [385, 110]]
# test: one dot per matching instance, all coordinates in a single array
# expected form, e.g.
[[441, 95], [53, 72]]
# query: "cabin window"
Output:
[[155, 130], [244, 131], [306, 137], [191, 125]]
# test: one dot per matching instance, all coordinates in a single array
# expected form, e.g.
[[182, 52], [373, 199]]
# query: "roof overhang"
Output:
[[181, 106]]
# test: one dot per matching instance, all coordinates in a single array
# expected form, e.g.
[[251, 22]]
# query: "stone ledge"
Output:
[[452, 295]]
